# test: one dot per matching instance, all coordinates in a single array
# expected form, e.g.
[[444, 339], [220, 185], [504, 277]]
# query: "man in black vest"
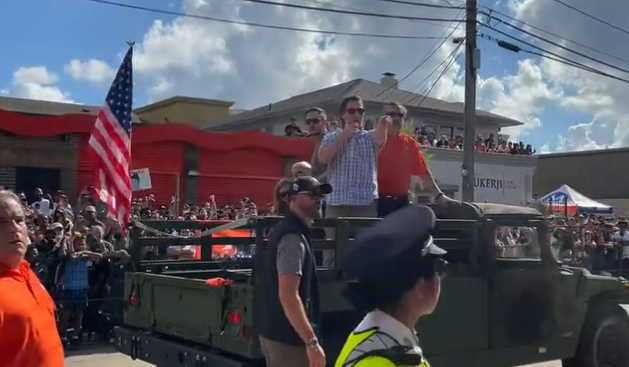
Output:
[[288, 283]]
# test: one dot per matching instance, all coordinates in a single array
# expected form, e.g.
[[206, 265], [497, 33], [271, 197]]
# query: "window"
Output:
[[459, 131], [517, 242]]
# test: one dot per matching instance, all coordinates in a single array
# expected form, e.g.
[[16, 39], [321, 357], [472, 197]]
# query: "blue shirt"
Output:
[[352, 172], [75, 276]]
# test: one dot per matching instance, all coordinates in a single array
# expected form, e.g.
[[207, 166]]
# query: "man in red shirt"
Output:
[[28, 330], [398, 161]]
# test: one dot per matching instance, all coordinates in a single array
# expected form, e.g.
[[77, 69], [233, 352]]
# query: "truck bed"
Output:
[[180, 304]]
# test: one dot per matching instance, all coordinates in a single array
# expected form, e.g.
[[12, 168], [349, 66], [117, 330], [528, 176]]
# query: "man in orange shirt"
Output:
[[28, 331], [399, 159]]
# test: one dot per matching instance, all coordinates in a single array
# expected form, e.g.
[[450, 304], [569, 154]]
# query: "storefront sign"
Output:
[[494, 184]]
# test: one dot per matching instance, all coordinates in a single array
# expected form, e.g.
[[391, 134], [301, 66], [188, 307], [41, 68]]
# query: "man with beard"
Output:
[[290, 296], [28, 329], [399, 160]]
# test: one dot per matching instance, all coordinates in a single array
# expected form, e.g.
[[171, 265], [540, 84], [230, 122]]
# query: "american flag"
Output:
[[110, 144]]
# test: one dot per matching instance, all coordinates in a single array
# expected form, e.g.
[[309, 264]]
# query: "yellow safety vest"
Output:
[[355, 340]]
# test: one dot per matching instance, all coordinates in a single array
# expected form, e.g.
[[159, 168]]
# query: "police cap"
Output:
[[400, 239]]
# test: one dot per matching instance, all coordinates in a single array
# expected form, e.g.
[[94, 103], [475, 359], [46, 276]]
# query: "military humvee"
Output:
[[505, 302]]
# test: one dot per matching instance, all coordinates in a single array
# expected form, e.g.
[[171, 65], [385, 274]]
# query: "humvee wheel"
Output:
[[604, 339]]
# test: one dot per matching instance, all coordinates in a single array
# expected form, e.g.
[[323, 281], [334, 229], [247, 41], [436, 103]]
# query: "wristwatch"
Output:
[[312, 343]]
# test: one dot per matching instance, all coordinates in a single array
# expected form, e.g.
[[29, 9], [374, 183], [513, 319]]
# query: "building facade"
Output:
[[441, 117], [499, 178], [601, 175]]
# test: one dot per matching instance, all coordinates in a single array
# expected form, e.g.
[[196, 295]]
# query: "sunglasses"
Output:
[[395, 114], [312, 121], [353, 111]]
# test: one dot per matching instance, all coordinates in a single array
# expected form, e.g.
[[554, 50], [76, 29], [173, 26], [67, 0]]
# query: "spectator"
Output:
[[300, 169], [74, 287], [42, 203]]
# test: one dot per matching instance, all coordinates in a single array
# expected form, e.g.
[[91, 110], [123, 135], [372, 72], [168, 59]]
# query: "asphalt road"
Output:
[[105, 357]]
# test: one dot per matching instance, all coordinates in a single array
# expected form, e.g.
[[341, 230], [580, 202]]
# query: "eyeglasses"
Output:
[[353, 111], [395, 114]]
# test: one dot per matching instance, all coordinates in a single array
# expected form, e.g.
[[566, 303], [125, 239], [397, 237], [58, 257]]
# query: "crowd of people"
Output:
[[490, 144], [600, 244], [429, 139], [79, 254]]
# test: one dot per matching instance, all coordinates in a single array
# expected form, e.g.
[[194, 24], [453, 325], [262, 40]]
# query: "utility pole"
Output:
[[472, 59]]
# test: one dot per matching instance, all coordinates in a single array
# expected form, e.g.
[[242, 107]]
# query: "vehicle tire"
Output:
[[604, 339]]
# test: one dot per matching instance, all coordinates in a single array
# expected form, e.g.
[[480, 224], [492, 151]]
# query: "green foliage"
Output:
[[407, 128]]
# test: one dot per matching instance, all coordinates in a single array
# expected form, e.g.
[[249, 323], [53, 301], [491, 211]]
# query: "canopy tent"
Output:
[[567, 199]]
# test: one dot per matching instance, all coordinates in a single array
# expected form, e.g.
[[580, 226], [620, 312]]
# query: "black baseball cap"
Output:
[[310, 185]]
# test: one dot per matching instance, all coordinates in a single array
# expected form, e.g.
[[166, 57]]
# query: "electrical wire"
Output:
[[450, 59], [491, 11], [425, 5], [332, 5], [550, 56], [430, 53], [588, 15], [560, 46], [256, 25], [347, 12]]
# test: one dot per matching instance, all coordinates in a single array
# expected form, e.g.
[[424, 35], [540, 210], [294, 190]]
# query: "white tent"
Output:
[[566, 196]]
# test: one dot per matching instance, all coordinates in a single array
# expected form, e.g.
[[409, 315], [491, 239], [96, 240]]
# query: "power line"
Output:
[[563, 38], [257, 25], [347, 12], [448, 61], [425, 5], [588, 15], [550, 56], [430, 53], [552, 43], [328, 4]]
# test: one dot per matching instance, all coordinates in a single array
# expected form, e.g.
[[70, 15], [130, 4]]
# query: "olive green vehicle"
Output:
[[500, 305]]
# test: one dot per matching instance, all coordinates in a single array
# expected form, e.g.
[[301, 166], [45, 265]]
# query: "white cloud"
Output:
[[95, 71], [36, 83], [600, 99], [255, 66], [522, 96]]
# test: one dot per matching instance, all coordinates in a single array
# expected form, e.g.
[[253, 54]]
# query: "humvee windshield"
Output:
[[515, 242]]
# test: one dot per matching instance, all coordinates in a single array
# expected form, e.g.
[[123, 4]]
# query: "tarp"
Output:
[[567, 198]]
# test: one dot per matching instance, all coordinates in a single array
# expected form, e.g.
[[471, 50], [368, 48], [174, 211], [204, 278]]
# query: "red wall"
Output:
[[230, 166], [243, 173]]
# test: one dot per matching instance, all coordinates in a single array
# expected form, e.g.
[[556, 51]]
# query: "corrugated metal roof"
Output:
[[368, 91]]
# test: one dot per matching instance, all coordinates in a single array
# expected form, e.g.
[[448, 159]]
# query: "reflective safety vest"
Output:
[[354, 348]]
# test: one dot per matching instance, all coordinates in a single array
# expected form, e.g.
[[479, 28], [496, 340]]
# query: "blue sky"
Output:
[[52, 32]]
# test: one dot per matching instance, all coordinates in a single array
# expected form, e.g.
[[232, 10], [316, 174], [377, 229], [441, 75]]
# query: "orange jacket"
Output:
[[28, 330]]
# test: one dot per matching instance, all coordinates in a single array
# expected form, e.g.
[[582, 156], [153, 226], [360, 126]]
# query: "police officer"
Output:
[[397, 271], [288, 285]]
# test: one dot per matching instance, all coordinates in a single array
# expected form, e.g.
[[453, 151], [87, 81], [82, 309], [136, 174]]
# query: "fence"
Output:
[[89, 315]]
